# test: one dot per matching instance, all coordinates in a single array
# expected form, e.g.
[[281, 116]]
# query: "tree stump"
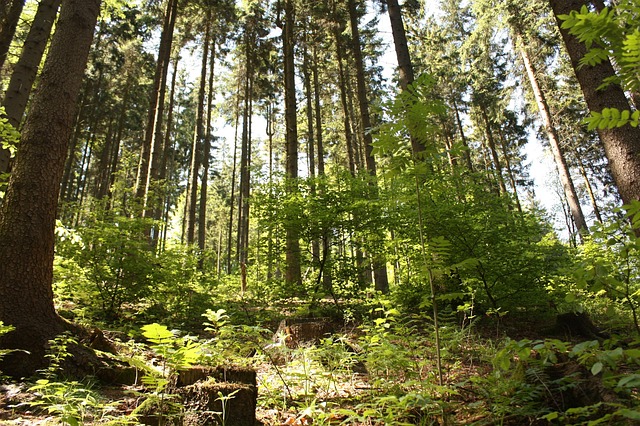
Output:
[[304, 330], [575, 324], [214, 403]]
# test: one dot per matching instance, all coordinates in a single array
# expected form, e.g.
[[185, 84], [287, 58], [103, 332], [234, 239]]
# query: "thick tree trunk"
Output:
[[25, 71], [621, 144], [558, 155], [293, 274], [27, 227], [8, 27]]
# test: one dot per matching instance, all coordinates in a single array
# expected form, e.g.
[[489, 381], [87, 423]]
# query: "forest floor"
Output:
[[383, 375]]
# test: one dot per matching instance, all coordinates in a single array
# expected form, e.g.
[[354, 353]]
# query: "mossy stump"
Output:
[[215, 403], [231, 374]]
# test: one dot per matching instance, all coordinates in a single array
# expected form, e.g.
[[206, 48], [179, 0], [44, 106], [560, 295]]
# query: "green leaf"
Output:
[[629, 413], [596, 368], [157, 333]]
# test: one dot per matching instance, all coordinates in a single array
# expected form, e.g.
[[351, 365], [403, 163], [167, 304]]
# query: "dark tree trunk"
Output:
[[404, 58], [25, 71], [156, 106], [202, 214], [621, 144], [342, 81], [379, 265], [196, 148], [293, 273], [27, 227], [8, 27]]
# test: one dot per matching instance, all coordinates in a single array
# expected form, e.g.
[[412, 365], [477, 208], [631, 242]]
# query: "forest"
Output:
[[297, 212]]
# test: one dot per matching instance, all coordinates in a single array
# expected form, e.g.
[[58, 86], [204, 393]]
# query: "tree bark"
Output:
[[621, 144], [293, 274], [25, 71], [8, 28], [27, 227]]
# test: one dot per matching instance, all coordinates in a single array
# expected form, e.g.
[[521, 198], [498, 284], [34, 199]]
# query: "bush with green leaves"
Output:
[[605, 277], [590, 382]]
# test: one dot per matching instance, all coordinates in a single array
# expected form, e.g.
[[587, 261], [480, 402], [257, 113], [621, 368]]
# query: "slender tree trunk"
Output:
[[343, 98], [621, 144], [25, 71], [379, 264], [306, 71], [403, 56], [463, 138], [492, 149], [293, 273], [552, 135], [198, 138], [8, 27], [156, 106], [202, 214], [245, 158], [587, 183], [27, 227], [233, 181], [507, 161]]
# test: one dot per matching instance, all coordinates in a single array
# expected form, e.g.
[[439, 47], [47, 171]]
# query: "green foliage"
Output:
[[9, 138], [605, 276], [538, 384], [4, 329], [610, 33]]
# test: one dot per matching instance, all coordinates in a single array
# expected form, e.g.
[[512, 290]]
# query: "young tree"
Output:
[[27, 227]]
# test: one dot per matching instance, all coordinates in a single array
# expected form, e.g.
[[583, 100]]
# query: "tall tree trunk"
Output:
[[492, 149], [463, 138], [150, 145], [25, 71], [245, 157], [507, 161], [233, 181], [379, 264], [558, 155], [621, 144], [27, 227], [326, 268], [293, 274], [206, 153], [8, 27], [196, 148], [306, 72], [404, 58], [342, 81]]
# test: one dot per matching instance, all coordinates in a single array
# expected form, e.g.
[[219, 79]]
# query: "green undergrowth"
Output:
[[380, 371]]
